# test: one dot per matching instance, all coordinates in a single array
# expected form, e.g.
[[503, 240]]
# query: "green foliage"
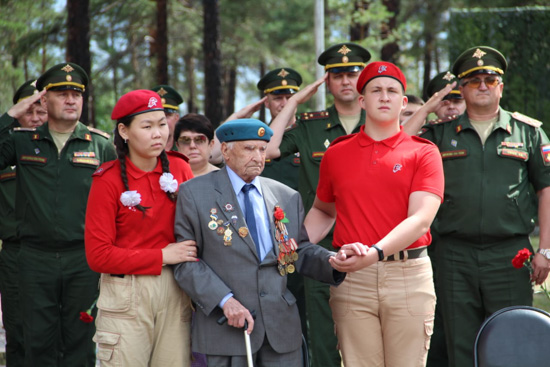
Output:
[[522, 36]]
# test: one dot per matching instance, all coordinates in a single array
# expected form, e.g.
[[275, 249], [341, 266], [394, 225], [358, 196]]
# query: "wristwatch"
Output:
[[544, 252], [380, 252]]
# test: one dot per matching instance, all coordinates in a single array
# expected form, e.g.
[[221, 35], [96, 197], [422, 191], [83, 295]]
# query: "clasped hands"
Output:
[[352, 257]]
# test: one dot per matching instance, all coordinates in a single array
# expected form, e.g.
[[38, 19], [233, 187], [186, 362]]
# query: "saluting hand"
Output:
[[305, 94], [179, 252], [19, 109], [434, 101]]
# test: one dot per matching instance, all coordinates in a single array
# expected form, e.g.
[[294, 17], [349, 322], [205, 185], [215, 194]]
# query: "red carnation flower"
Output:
[[279, 213], [86, 317], [521, 257]]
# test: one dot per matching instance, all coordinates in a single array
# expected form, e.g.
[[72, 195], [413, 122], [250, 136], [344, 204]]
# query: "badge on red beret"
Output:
[[136, 102], [378, 69]]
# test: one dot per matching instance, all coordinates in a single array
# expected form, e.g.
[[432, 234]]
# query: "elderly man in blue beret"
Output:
[[250, 235]]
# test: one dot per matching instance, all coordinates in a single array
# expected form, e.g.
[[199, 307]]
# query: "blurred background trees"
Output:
[[214, 51]]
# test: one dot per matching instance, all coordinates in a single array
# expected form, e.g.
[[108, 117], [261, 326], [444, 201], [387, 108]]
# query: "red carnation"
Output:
[[86, 317], [279, 213], [519, 260]]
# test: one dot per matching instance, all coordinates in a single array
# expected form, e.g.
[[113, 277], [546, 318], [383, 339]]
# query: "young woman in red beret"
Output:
[[143, 316]]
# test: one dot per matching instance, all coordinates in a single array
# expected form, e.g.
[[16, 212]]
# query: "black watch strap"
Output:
[[380, 252]]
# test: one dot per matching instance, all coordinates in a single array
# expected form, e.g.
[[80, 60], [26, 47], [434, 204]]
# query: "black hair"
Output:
[[122, 151], [196, 123]]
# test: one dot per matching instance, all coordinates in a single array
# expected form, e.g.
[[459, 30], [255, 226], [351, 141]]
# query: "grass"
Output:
[[540, 300]]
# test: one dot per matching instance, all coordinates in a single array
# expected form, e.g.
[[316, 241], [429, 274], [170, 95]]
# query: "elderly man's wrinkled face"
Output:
[[246, 158]]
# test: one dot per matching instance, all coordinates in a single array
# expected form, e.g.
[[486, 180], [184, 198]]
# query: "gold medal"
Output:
[[228, 233], [212, 225], [243, 232], [294, 256], [290, 268], [282, 270], [227, 243], [220, 222]]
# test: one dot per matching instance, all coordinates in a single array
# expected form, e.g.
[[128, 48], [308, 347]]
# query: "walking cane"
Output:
[[222, 320]]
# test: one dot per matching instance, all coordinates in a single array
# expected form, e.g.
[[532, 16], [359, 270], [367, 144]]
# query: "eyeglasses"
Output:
[[490, 82], [198, 140]]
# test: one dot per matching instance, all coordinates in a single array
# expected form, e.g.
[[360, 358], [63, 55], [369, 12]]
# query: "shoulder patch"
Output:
[[104, 168], [443, 120], [99, 132], [341, 139], [173, 153], [526, 119], [314, 115], [24, 128]]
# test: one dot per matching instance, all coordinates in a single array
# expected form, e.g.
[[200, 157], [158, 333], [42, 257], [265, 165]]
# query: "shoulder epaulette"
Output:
[[443, 120], [341, 139], [314, 115], [526, 119], [177, 154], [99, 132], [104, 168], [24, 129]]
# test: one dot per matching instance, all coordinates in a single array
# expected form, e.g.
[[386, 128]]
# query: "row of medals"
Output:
[[287, 250], [222, 228]]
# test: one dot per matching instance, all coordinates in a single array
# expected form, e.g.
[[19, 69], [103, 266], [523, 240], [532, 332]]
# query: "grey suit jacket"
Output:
[[236, 268]]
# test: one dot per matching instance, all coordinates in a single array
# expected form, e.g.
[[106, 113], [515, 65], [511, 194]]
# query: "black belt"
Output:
[[408, 254]]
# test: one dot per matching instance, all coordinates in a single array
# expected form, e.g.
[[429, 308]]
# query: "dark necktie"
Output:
[[249, 217]]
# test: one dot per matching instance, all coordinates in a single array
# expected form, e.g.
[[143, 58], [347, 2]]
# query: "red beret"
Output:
[[136, 102], [377, 69]]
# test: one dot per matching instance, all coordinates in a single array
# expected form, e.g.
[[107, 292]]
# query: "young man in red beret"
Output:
[[384, 309]]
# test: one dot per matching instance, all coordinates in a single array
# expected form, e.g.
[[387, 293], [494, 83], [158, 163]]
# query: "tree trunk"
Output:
[[78, 47], [230, 88], [428, 50], [359, 31], [161, 42], [189, 61], [262, 110], [390, 50], [212, 61]]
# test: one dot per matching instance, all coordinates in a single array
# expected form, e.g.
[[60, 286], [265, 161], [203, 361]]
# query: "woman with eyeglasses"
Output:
[[194, 137]]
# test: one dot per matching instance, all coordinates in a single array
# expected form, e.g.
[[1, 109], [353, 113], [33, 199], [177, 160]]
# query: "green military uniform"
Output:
[[9, 271], [56, 283], [282, 81], [487, 214], [312, 135], [437, 355], [9, 282]]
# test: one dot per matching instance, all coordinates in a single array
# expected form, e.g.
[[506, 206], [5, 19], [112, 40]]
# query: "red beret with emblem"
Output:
[[378, 69], [136, 102]]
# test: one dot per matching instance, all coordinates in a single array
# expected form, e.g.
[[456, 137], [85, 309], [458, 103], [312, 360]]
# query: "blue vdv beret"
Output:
[[244, 129]]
